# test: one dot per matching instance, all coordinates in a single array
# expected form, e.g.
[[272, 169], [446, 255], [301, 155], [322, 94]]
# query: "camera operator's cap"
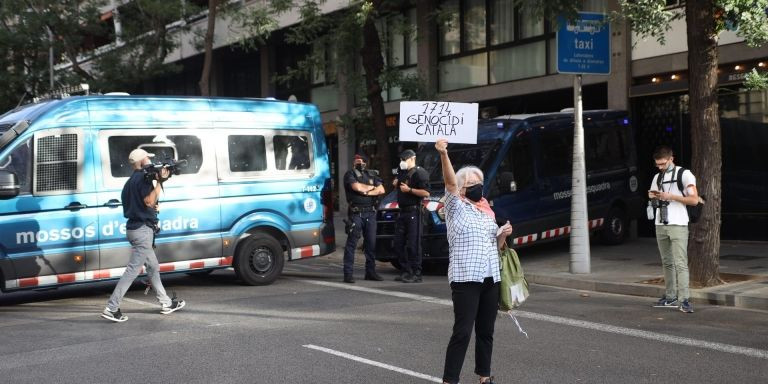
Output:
[[362, 157], [138, 154], [407, 154]]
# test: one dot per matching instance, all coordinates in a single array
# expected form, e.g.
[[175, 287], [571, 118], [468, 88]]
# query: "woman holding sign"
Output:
[[474, 240]]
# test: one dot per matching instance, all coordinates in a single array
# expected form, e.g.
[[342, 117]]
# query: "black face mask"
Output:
[[359, 167], [474, 193]]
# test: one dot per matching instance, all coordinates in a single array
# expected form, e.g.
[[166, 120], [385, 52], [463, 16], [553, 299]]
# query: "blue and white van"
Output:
[[255, 190], [527, 161]]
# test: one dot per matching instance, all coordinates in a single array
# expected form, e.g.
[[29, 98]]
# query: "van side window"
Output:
[[247, 153], [519, 161], [291, 152], [183, 147], [56, 163], [556, 152], [19, 161]]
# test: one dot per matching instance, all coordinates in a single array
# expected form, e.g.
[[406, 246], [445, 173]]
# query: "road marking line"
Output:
[[375, 363], [720, 347]]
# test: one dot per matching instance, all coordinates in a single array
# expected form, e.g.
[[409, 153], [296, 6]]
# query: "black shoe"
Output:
[[403, 276], [412, 279], [175, 306], [115, 316], [373, 276], [349, 279]]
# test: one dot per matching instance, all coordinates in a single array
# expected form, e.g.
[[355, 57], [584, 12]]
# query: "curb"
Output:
[[699, 295]]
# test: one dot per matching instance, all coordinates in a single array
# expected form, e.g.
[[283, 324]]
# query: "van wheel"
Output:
[[615, 228], [259, 260]]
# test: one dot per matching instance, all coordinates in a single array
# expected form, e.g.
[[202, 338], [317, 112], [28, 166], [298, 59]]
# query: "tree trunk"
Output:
[[706, 145], [204, 83], [373, 63]]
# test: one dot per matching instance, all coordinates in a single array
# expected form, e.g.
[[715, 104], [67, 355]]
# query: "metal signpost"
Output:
[[583, 46]]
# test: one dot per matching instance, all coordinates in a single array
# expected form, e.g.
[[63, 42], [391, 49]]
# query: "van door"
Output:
[[189, 217], [50, 234], [554, 168]]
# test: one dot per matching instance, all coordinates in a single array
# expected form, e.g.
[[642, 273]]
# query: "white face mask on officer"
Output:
[[403, 165]]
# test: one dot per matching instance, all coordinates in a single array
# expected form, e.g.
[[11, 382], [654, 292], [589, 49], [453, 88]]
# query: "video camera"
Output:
[[152, 171]]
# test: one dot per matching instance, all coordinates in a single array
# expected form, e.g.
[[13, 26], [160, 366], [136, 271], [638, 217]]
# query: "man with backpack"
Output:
[[672, 189]]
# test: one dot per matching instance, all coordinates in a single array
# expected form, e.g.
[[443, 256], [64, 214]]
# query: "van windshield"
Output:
[[460, 154]]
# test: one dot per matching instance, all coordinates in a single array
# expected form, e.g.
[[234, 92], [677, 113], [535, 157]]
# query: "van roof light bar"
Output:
[[63, 92]]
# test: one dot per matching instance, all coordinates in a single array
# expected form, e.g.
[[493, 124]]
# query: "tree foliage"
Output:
[[345, 49], [78, 29]]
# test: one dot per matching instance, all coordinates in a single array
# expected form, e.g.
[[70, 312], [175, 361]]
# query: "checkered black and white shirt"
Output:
[[472, 249]]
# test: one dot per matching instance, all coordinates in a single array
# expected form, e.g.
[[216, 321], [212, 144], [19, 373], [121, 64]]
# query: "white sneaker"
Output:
[[175, 306], [115, 316]]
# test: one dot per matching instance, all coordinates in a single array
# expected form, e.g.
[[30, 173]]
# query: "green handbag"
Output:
[[514, 288]]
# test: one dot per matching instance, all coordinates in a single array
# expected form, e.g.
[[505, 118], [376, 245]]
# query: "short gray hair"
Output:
[[461, 175]]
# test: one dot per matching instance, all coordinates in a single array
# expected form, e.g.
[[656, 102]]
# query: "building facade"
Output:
[[495, 54]]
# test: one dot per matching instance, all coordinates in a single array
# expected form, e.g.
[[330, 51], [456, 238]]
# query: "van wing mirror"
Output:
[[9, 185], [507, 182]]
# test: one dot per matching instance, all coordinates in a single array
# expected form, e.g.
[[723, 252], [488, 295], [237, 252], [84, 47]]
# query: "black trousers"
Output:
[[474, 304], [407, 241], [365, 225]]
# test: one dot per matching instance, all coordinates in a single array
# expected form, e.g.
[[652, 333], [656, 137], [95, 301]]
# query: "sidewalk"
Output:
[[634, 268]]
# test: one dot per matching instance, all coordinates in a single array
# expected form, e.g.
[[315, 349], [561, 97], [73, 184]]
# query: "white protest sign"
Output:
[[427, 121]]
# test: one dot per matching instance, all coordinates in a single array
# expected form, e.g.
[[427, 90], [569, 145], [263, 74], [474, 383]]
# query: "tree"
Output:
[[205, 89], [705, 19], [90, 49], [346, 36]]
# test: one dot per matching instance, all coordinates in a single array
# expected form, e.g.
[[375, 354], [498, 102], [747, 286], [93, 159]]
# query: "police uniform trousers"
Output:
[[365, 225], [407, 240]]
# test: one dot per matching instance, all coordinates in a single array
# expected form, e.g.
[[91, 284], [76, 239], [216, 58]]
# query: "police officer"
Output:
[[361, 186], [412, 186]]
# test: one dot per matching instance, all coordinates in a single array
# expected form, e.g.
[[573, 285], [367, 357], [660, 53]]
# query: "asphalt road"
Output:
[[308, 327]]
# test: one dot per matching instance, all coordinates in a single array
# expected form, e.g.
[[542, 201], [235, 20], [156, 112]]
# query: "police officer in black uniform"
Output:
[[361, 186], [412, 186]]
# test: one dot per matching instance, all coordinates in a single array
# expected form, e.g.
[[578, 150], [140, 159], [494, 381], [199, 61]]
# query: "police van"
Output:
[[527, 161], [255, 189]]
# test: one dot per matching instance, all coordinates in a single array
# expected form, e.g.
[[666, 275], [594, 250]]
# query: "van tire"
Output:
[[259, 260], [615, 228]]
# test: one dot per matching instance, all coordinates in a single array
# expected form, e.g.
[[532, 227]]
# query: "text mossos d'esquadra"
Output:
[[590, 189], [109, 229], [436, 119]]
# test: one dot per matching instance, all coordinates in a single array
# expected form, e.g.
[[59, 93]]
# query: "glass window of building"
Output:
[[474, 24], [324, 92], [400, 34], [491, 41], [450, 30], [502, 22]]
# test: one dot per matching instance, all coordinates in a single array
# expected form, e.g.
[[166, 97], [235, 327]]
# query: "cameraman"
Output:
[[672, 236], [361, 187], [139, 196]]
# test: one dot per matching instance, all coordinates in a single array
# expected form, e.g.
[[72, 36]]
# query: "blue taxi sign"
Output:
[[584, 44]]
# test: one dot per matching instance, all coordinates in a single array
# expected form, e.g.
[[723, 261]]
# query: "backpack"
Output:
[[694, 211]]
